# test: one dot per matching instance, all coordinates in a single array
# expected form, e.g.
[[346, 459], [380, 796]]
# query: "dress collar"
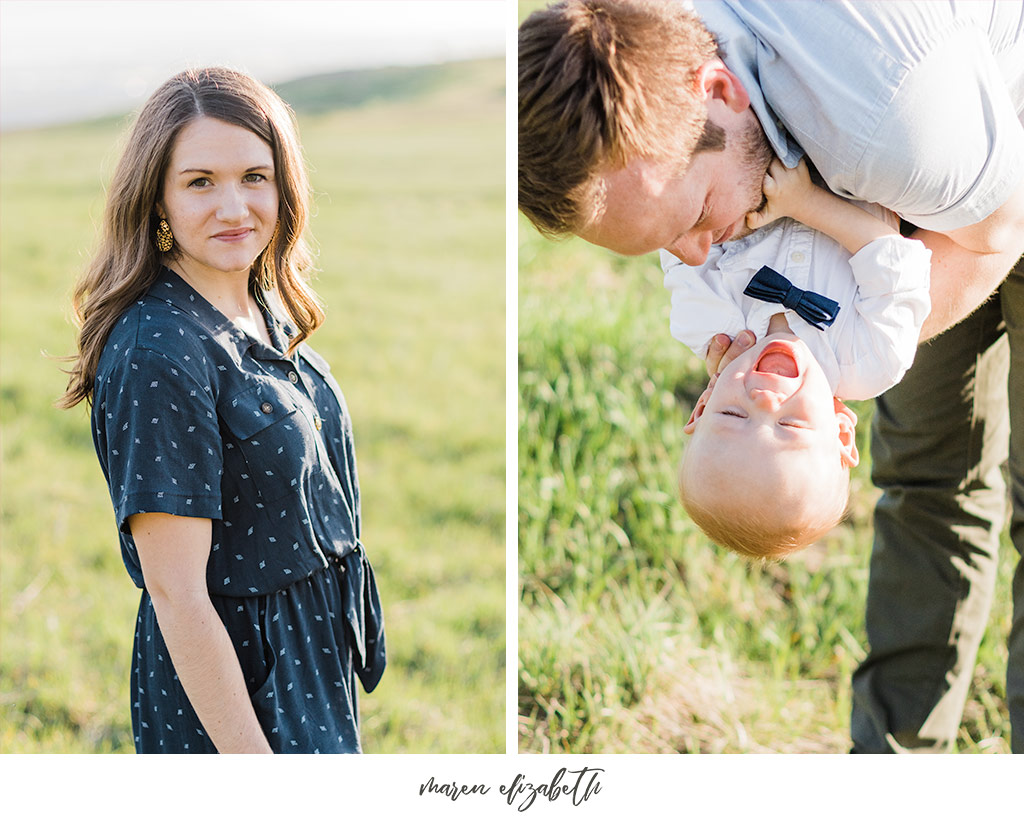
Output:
[[171, 288]]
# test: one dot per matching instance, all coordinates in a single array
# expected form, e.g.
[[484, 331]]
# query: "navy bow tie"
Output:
[[771, 287]]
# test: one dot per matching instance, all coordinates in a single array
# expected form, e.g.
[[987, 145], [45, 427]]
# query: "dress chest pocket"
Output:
[[271, 446]]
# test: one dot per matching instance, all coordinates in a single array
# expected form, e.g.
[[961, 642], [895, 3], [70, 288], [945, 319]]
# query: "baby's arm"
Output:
[[703, 303], [790, 193]]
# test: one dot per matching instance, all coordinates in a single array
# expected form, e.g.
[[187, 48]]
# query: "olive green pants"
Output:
[[939, 441]]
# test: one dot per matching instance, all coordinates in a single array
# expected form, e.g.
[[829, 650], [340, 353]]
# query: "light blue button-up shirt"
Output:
[[916, 106]]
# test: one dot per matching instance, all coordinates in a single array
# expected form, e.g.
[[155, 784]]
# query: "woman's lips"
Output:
[[235, 234]]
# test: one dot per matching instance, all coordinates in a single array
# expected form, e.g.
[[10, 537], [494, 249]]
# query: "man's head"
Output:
[[767, 469], [633, 134]]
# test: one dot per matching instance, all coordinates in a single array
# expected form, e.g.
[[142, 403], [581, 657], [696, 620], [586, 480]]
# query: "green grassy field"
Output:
[[409, 226], [635, 633]]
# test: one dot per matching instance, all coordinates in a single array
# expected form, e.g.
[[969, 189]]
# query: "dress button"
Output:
[[294, 378], [797, 257], [317, 422], [266, 407]]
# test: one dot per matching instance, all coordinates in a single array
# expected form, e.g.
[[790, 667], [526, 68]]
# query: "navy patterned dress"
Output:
[[193, 417]]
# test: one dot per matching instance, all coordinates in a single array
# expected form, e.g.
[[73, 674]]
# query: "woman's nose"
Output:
[[233, 205]]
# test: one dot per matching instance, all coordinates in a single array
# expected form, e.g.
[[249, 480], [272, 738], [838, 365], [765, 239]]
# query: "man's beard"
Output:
[[755, 153]]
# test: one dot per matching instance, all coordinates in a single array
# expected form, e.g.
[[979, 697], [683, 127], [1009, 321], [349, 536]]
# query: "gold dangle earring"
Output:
[[164, 238]]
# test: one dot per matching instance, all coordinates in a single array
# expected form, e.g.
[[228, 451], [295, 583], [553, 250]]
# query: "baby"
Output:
[[766, 471]]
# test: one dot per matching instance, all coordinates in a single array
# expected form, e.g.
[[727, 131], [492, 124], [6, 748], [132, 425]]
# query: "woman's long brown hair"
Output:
[[127, 261]]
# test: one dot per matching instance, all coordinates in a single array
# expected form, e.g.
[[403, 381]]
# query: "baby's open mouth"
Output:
[[778, 360]]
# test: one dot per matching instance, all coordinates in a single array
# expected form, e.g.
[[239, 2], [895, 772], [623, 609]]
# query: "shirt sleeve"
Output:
[[162, 439], [701, 305], [949, 148], [892, 302]]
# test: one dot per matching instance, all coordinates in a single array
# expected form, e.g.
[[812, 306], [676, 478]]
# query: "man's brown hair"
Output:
[[601, 83]]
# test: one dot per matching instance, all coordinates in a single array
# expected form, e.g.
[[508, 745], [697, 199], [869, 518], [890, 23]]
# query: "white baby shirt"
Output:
[[882, 292]]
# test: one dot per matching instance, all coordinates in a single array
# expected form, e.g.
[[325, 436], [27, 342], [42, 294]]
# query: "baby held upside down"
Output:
[[767, 468]]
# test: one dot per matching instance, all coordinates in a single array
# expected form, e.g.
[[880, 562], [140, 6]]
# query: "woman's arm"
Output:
[[173, 552], [791, 193]]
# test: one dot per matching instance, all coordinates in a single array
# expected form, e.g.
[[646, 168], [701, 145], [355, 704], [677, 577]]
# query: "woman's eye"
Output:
[[254, 177], [200, 183]]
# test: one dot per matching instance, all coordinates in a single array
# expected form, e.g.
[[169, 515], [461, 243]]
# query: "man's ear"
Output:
[[713, 80], [847, 420]]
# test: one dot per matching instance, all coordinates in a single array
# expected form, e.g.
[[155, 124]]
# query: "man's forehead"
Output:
[[640, 208], [642, 191], [646, 174]]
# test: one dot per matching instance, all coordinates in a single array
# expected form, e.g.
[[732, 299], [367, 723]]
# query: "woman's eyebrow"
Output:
[[257, 168]]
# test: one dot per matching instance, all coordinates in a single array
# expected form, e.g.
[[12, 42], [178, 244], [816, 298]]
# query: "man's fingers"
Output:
[[718, 347], [724, 349], [743, 341]]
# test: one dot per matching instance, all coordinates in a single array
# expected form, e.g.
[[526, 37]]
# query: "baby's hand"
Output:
[[784, 190]]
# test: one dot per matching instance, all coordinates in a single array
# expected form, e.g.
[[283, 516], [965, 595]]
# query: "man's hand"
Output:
[[785, 191], [724, 349]]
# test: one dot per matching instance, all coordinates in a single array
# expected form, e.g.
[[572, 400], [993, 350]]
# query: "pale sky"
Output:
[[61, 60]]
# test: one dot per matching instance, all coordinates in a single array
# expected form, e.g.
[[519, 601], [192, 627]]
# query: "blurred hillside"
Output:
[[484, 79]]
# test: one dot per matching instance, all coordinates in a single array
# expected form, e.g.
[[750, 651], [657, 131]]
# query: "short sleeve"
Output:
[[700, 310], [159, 438], [952, 116]]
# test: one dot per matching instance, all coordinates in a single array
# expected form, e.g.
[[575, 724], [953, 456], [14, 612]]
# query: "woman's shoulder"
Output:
[[159, 332], [314, 358]]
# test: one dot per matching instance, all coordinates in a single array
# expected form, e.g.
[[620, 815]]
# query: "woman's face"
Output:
[[220, 198]]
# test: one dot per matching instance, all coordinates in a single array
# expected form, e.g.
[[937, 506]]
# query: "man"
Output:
[[638, 130]]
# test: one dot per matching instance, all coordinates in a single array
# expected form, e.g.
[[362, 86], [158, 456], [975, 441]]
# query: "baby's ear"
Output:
[[698, 410], [847, 420]]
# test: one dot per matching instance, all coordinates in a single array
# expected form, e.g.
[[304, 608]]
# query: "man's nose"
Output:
[[693, 249]]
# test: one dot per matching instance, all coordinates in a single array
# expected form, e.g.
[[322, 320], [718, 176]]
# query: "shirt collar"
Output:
[[171, 288], [280, 331], [741, 50]]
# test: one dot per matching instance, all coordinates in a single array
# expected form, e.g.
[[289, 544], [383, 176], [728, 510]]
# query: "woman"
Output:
[[224, 438]]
